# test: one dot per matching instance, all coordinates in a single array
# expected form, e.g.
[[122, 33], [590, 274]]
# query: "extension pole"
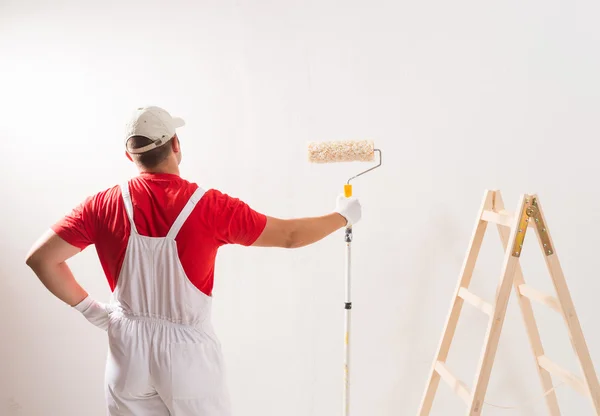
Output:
[[347, 310]]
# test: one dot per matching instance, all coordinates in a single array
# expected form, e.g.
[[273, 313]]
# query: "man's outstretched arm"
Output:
[[295, 233]]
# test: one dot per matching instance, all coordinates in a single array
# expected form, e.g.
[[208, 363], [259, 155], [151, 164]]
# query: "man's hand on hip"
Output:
[[95, 312]]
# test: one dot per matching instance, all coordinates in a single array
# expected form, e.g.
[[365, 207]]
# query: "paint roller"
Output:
[[345, 151]]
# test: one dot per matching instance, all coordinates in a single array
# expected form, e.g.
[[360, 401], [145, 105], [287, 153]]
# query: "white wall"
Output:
[[461, 96]]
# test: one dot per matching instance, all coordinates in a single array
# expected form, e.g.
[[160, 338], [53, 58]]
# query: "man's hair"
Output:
[[151, 158]]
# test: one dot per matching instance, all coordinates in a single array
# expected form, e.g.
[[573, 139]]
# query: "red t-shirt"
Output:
[[217, 219]]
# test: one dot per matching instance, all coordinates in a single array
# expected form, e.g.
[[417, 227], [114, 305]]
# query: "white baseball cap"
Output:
[[154, 123]]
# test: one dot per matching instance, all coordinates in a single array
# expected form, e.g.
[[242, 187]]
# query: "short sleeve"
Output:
[[78, 228], [234, 222]]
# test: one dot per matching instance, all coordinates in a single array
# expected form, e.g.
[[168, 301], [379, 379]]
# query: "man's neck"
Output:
[[158, 170]]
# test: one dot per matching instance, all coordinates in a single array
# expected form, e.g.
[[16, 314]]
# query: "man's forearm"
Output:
[[306, 231], [59, 280], [301, 232]]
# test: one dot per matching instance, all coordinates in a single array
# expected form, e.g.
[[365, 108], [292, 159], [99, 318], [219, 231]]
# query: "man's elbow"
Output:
[[289, 243], [292, 245], [293, 240], [34, 260], [31, 260], [280, 233]]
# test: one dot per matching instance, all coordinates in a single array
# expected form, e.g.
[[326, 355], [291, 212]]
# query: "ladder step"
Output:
[[476, 301], [540, 297], [562, 374], [504, 219], [457, 386]]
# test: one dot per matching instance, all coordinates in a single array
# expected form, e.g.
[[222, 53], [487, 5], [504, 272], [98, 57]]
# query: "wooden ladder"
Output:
[[512, 229]]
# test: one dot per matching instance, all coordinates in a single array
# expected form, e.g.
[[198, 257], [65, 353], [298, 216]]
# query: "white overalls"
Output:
[[164, 358]]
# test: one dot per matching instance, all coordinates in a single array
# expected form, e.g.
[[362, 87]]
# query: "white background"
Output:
[[462, 96]]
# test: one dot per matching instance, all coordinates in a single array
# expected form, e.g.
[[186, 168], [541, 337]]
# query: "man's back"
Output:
[[217, 219]]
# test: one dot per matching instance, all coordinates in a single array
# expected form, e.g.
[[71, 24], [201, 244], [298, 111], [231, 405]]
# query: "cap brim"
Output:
[[178, 122]]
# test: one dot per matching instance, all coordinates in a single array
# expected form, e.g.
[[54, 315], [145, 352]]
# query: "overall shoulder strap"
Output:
[[128, 204], [185, 213]]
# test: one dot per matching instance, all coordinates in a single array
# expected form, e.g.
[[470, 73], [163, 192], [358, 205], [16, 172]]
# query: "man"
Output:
[[157, 237]]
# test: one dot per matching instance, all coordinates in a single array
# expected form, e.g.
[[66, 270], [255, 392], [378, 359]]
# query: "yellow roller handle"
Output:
[[347, 190]]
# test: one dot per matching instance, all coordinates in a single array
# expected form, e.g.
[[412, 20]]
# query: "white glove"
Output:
[[95, 312], [349, 208]]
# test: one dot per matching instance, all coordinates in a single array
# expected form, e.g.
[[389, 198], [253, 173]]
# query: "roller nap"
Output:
[[341, 151]]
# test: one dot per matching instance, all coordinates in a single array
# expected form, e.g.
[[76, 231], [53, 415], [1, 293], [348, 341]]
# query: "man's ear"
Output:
[[175, 144], [128, 156]]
